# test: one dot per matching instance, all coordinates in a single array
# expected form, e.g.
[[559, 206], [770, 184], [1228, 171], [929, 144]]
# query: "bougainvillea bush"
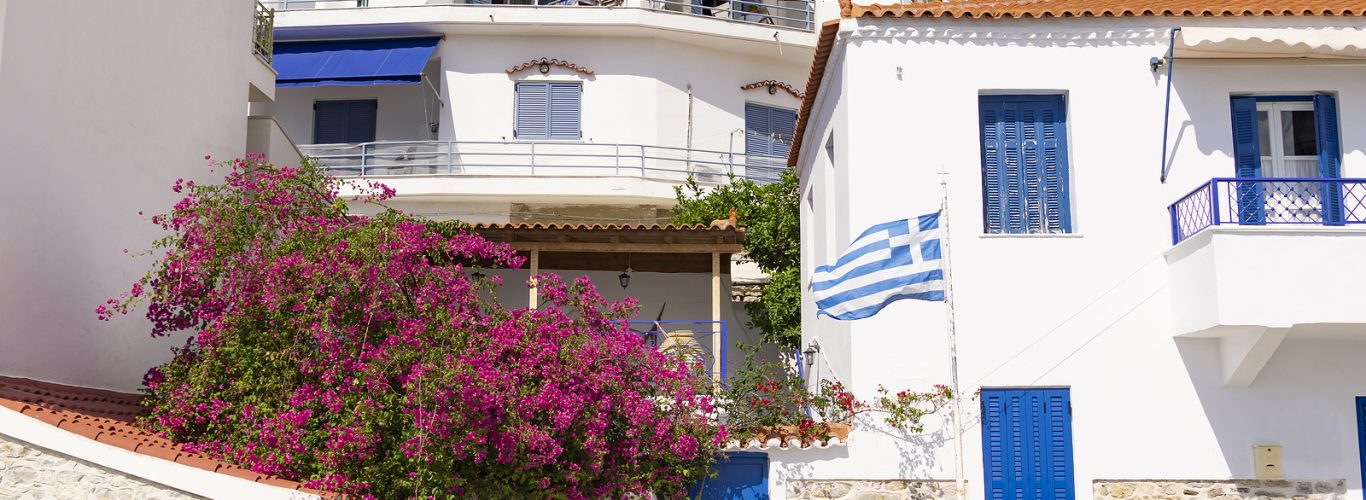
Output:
[[369, 355]]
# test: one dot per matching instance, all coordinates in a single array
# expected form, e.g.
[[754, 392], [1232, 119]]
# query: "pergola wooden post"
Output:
[[535, 270], [716, 317]]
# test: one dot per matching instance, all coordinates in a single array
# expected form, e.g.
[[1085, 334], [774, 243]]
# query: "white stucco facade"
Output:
[[1179, 359], [655, 84], [105, 106]]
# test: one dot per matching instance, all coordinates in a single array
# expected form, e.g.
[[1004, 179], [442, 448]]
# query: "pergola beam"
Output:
[[703, 248]]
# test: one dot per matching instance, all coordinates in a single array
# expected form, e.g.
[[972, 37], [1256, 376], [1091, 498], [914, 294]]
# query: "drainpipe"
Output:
[[1167, 111]]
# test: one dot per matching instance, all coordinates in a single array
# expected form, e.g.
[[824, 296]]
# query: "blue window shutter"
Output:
[[533, 110], [757, 130], [565, 104], [338, 122], [1027, 443], [783, 125], [329, 122], [1330, 157], [1247, 159], [1012, 167], [360, 120], [1024, 164], [993, 183], [1054, 197]]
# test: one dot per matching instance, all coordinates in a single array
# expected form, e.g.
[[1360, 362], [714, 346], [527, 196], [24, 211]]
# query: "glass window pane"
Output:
[[1264, 132], [1297, 130]]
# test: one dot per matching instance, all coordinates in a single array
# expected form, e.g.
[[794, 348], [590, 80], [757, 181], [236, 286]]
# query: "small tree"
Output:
[[364, 355], [771, 217]]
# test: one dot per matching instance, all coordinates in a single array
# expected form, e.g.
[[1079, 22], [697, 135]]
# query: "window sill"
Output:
[[1030, 235]]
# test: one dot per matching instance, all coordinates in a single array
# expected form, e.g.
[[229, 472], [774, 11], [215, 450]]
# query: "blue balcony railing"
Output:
[[1263, 201], [698, 341]]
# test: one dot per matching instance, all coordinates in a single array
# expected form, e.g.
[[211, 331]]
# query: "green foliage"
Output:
[[770, 215]]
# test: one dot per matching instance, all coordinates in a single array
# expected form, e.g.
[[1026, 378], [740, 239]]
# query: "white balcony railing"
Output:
[[786, 13], [542, 158]]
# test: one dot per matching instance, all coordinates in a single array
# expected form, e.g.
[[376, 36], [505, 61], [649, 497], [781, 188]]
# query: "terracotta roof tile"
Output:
[[558, 226], [1024, 9], [109, 417], [824, 44]]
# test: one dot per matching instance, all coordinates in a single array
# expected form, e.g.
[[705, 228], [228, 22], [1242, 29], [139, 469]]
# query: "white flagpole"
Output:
[[959, 480]]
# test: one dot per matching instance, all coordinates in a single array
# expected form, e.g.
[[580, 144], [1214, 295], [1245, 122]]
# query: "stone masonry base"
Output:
[[1234, 489], [27, 471], [870, 490]]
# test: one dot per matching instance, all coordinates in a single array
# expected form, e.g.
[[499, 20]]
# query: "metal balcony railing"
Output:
[[697, 341], [263, 32], [797, 14], [541, 158], [1263, 201]]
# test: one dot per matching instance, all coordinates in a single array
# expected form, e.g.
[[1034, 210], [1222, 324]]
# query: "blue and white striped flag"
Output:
[[888, 262]]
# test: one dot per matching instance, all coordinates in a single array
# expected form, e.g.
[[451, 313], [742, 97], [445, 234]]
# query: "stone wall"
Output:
[[28, 472], [869, 490], [1235, 489]]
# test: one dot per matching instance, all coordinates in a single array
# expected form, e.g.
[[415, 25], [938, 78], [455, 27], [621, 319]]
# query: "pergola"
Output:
[[646, 248]]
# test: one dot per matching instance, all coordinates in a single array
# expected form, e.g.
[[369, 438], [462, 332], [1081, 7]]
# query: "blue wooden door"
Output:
[[1361, 434], [1027, 444], [740, 476]]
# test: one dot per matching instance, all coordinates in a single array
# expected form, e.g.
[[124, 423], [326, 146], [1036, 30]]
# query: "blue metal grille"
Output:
[[1262, 201]]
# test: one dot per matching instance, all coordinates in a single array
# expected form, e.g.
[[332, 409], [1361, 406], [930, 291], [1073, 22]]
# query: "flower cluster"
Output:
[[764, 397], [369, 355]]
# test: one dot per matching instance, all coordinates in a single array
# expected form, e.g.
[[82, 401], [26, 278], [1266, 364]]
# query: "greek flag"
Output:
[[888, 262]]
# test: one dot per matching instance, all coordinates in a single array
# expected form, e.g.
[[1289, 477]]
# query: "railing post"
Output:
[[1214, 202], [362, 160], [533, 158], [450, 157], [642, 160], [617, 157], [1176, 226]]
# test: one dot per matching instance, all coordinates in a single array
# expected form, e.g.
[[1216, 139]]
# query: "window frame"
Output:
[[1066, 208], [346, 119], [550, 111]]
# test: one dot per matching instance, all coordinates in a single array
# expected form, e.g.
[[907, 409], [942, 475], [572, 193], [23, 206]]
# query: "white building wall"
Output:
[[1090, 310], [638, 93], [105, 105]]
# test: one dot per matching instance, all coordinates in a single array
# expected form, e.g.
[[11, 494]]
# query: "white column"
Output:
[[535, 269], [716, 316]]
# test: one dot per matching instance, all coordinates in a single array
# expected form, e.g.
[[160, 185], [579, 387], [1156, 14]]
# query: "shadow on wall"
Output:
[[1302, 400], [801, 464]]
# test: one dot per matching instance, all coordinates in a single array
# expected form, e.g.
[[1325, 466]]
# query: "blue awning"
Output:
[[352, 62]]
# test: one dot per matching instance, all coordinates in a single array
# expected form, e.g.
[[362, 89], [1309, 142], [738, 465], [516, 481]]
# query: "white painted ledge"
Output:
[[151, 469]]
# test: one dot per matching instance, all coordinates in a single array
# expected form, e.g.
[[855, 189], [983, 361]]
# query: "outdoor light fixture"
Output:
[[772, 89], [625, 277], [811, 350], [545, 68]]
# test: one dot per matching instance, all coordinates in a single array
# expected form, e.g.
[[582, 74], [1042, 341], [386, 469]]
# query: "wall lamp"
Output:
[[810, 353]]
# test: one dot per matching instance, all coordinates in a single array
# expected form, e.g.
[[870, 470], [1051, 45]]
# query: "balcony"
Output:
[[797, 14], [671, 165], [263, 32], [1256, 261], [1261, 202]]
